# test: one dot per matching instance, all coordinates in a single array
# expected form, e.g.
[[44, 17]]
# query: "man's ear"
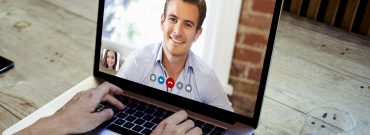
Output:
[[197, 34], [162, 21]]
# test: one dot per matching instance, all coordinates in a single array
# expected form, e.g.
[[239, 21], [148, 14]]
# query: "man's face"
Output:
[[179, 27]]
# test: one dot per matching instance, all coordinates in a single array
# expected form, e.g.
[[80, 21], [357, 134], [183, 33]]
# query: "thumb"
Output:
[[103, 115]]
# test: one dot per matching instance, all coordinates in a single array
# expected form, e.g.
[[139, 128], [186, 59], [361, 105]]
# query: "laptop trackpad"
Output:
[[236, 133]]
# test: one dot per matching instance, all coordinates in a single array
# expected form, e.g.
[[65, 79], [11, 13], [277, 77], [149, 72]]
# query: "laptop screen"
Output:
[[212, 52]]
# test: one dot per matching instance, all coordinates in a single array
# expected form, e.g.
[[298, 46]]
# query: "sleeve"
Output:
[[215, 95]]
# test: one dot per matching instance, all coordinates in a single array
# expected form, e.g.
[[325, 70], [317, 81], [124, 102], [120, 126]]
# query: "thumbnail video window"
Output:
[[110, 60]]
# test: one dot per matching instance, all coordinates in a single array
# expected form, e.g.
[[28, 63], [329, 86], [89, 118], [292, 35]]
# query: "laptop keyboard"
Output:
[[140, 118]]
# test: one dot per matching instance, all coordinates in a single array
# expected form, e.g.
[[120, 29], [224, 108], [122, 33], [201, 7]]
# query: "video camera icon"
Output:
[[161, 80]]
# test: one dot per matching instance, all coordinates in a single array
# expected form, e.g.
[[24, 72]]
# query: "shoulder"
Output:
[[138, 62], [204, 75], [200, 67], [148, 51]]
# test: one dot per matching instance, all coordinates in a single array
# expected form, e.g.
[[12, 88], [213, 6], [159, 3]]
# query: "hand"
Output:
[[177, 124], [78, 115]]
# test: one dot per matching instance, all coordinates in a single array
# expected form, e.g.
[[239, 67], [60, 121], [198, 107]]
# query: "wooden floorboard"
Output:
[[55, 44], [7, 119]]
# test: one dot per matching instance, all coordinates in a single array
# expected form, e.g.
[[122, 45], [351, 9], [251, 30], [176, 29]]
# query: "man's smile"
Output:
[[177, 41]]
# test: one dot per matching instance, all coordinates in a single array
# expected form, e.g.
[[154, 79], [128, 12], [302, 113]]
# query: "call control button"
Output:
[[153, 77], [188, 88], [160, 79], [179, 85], [170, 82]]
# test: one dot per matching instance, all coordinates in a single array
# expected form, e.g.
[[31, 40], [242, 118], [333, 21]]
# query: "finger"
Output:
[[177, 117], [113, 101], [102, 116], [107, 87], [165, 127], [171, 129], [185, 126], [159, 129], [113, 88], [194, 131]]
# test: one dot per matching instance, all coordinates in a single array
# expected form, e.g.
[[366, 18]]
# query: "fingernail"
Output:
[[123, 107]]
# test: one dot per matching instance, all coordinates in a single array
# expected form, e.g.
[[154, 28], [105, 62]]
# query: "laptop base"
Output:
[[92, 82]]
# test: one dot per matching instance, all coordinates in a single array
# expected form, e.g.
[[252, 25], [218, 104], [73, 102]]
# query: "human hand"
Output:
[[78, 115], [177, 124]]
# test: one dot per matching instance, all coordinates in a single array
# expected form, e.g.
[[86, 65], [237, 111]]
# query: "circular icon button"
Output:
[[188, 87], [179, 85], [160, 79], [153, 77], [170, 82]]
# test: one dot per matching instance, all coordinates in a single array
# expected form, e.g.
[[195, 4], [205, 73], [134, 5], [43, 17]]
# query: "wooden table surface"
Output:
[[52, 44]]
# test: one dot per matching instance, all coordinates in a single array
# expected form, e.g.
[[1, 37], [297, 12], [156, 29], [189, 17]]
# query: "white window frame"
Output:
[[217, 46]]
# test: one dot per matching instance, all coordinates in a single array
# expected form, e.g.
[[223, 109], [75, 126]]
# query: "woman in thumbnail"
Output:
[[110, 60]]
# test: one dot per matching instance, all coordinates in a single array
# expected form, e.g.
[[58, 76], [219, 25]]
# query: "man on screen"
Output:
[[171, 65]]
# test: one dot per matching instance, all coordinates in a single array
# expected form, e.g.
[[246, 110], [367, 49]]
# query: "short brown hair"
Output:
[[202, 7]]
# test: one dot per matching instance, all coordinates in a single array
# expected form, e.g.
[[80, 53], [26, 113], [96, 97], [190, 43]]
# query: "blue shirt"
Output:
[[196, 81]]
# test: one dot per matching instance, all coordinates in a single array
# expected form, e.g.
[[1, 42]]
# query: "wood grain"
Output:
[[313, 9], [83, 8], [52, 43], [6, 119], [52, 50], [350, 14], [275, 117], [325, 69], [295, 6], [365, 23], [331, 12]]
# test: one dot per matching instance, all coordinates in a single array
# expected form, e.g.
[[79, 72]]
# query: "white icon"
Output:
[[160, 79], [188, 87], [153, 77]]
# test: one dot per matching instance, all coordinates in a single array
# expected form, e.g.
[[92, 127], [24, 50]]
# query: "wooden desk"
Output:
[[52, 43]]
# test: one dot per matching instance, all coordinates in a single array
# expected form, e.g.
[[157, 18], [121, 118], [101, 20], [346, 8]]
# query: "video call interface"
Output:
[[143, 44]]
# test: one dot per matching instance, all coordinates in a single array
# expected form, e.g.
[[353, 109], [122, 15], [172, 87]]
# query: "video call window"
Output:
[[110, 59], [143, 41]]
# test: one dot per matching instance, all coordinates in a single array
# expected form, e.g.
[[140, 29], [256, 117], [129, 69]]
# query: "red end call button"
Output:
[[170, 82]]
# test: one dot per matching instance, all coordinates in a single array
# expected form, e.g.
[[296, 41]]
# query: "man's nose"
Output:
[[179, 29]]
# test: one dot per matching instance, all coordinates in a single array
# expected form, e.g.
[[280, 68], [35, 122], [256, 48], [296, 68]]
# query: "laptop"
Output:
[[137, 44]]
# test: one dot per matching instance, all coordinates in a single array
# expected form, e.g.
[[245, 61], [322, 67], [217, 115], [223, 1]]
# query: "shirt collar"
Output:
[[189, 63]]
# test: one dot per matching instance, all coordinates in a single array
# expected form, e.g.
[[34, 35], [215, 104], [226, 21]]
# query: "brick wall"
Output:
[[251, 42]]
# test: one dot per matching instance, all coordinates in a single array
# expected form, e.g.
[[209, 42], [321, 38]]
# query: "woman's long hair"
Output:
[[105, 63]]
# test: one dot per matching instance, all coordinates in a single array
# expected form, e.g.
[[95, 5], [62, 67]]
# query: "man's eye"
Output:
[[172, 19], [188, 26]]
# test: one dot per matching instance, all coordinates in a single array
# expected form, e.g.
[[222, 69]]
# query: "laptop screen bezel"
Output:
[[186, 103]]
